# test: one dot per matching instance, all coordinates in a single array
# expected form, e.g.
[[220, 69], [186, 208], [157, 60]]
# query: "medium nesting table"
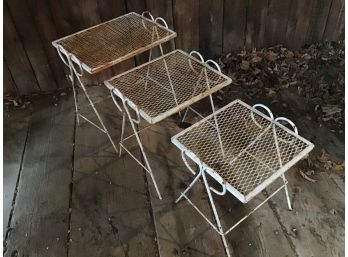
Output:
[[104, 45], [242, 149], [160, 88]]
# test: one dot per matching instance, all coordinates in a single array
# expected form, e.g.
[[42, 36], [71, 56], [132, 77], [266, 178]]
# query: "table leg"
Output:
[[147, 164]]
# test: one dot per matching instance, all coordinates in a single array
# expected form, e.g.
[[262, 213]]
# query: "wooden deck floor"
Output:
[[67, 194]]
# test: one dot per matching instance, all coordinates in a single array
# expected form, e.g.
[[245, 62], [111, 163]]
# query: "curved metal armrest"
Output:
[[148, 14], [292, 125], [161, 20], [114, 100], [214, 63], [288, 121], [210, 62], [222, 192], [270, 114], [137, 120], [223, 185], [73, 59], [62, 51], [197, 54], [200, 58], [183, 156]]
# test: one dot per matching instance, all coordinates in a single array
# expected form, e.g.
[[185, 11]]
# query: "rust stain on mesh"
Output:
[[111, 42]]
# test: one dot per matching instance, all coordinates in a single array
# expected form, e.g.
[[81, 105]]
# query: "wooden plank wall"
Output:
[[212, 27]]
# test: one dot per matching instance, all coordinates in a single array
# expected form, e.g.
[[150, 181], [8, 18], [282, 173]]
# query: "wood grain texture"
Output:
[[256, 23], [40, 220], [137, 6], [298, 22], [161, 8], [210, 28], [276, 23], [47, 32], [316, 224], [10, 88], [260, 234], [110, 210], [319, 15], [186, 24], [335, 22], [32, 43], [16, 124], [235, 13], [16, 57]]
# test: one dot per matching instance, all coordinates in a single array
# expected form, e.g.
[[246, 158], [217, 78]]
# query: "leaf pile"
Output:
[[316, 72]]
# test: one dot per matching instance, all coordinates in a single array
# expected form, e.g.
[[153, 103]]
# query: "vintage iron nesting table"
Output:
[[242, 149], [239, 146], [162, 87], [99, 47]]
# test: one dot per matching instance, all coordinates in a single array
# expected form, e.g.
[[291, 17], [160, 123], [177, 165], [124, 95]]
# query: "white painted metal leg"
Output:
[[75, 101], [98, 116], [122, 130], [189, 187], [286, 192], [68, 61], [216, 215], [149, 169]]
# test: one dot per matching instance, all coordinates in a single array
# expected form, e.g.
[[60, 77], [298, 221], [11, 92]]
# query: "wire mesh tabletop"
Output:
[[111, 42], [167, 85], [247, 158]]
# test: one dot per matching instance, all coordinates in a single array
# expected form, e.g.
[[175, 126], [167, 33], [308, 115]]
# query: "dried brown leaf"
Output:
[[245, 65]]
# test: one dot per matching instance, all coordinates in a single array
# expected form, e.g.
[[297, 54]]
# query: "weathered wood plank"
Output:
[[234, 26], [16, 57], [61, 18], [10, 89], [316, 223], [47, 32], [186, 24], [31, 41], [256, 23], [210, 28], [137, 6], [318, 18], [180, 230], [110, 211], [335, 22], [298, 22], [260, 234], [40, 220], [161, 8], [16, 124], [276, 23]]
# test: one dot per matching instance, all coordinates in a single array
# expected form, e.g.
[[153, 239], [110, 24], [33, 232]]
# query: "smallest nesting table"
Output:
[[244, 150]]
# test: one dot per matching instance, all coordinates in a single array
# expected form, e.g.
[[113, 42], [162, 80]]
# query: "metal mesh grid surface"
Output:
[[148, 87], [250, 153], [111, 42]]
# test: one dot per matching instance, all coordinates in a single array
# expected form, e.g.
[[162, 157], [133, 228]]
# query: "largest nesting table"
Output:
[[99, 47]]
